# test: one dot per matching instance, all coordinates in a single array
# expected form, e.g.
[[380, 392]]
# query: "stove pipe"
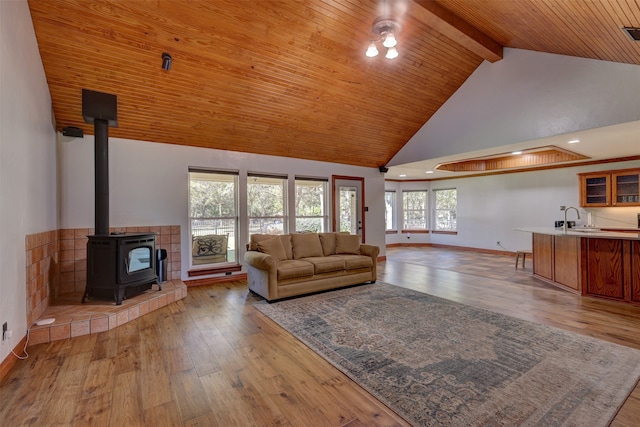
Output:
[[101, 157], [101, 109]]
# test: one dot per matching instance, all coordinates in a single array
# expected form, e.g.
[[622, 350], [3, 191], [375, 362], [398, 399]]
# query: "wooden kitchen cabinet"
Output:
[[635, 271], [605, 268], [543, 255], [600, 267], [566, 255], [557, 260], [610, 188], [625, 188]]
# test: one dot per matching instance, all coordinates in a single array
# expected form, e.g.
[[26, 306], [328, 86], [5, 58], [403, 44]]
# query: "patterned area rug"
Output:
[[440, 363]]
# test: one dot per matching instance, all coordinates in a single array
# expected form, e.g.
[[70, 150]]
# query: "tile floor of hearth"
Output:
[[74, 318]]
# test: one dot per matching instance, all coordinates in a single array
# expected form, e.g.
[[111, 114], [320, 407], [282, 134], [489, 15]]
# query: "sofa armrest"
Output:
[[262, 274], [370, 250], [260, 260], [373, 252]]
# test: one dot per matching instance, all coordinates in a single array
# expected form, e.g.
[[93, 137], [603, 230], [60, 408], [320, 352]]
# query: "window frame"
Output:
[[425, 212], [394, 211], [435, 228], [324, 216], [233, 235], [284, 218]]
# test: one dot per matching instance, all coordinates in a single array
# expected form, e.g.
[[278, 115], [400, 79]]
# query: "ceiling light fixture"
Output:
[[574, 141], [166, 61], [515, 153], [384, 31]]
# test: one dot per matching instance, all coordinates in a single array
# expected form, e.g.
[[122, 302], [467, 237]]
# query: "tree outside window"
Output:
[[266, 201], [311, 206], [446, 202], [414, 203], [390, 210]]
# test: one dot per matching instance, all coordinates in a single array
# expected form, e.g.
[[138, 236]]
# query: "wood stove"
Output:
[[120, 265]]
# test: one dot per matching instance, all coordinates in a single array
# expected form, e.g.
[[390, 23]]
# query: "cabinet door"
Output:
[[625, 188], [635, 270], [595, 190], [605, 274], [543, 255], [567, 261]]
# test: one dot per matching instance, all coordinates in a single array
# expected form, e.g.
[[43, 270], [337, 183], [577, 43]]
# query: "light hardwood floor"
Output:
[[211, 359]]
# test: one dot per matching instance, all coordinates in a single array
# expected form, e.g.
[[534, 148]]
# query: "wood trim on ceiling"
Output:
[[533, 157], [533, 169]]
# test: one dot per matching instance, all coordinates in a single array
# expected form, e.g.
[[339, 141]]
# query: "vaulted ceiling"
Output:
[[290, 78]]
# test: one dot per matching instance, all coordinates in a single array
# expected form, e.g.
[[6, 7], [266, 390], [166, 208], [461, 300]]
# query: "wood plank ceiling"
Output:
[[290, 78]]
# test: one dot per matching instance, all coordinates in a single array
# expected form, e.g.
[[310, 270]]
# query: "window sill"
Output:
[[444, 232], [415, 231], [392, 231], [214, 270]]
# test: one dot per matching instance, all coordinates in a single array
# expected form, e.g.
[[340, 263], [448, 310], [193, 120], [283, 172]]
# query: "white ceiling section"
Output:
[[530, 99]]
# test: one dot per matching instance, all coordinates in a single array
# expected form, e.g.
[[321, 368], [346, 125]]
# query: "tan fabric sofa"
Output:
[[296, 264]]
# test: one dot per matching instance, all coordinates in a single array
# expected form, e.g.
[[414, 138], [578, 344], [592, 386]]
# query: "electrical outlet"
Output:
[[4, 331]]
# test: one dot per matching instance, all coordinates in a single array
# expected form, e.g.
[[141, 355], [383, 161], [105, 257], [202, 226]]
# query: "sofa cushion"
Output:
[[353, 262], [328, 241], [306, 245], [273, 247], [286, 243], [347, 244], [284, 238], [292, 268], [326, 264]]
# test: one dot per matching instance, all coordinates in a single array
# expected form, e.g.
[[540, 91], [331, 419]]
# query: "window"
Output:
[[414, 204], [446, 202], [266, 204], [213, 216], [311, 205], [390, 210]]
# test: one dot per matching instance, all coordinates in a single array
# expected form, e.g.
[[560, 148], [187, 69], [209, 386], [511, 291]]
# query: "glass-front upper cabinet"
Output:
[[626, 188], [595, 190], [610, 188]]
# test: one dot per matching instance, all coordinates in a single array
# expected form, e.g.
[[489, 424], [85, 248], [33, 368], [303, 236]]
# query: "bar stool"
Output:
[[523, 253]]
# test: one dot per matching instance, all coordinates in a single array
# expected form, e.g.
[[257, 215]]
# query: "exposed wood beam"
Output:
[[458, 30]]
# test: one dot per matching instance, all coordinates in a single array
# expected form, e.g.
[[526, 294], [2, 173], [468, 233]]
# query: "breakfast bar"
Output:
[[599, 262]]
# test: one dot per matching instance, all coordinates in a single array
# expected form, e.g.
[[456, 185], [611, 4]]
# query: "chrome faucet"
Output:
[[565, 216]]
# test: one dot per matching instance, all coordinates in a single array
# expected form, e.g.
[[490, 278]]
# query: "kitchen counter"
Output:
[[590, 232], [598, 262]]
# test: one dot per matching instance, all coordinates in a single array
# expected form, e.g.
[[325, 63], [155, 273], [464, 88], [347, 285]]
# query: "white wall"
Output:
[[149, 183], [526, 96], [27, 160], [490, 207]]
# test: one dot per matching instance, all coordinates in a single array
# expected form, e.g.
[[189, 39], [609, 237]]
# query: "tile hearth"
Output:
[[73, 318]]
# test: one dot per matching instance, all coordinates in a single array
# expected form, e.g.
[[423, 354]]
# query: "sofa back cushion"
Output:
[[285, 239], [273, 247], [347, 244], [328, 241], [306, 245]]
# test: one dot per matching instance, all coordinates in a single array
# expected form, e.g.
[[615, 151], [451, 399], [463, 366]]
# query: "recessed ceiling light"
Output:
[[402, 176], [429, 171], [516, 152], [574, 141]]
